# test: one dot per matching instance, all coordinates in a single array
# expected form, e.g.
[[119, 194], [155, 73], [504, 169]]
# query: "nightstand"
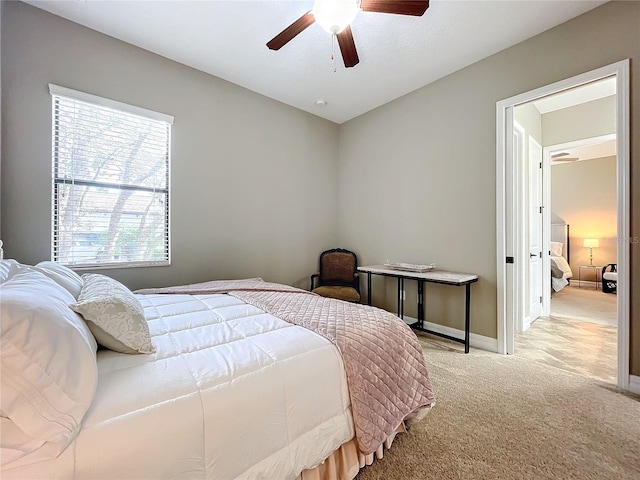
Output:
[[596, 268]]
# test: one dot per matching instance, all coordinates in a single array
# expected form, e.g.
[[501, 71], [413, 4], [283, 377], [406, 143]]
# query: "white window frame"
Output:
[[58, 91]]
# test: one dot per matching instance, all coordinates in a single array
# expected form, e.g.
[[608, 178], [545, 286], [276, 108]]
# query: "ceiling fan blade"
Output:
[[284, 37], [410, 7], [348, 48]]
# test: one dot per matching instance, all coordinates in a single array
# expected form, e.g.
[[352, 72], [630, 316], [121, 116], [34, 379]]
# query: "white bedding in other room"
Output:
[[231, 392], [563, 265], [558, 283]]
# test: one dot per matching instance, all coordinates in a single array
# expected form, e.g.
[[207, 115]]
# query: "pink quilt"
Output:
[[386, 373]]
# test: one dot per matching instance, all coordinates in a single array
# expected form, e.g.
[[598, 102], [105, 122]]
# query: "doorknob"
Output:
[[531, 255]]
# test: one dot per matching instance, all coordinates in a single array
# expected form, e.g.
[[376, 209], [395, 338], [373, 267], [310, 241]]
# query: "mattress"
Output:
[[232, 392]]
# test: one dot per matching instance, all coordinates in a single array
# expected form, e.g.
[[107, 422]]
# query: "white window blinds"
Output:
[[110, 182]]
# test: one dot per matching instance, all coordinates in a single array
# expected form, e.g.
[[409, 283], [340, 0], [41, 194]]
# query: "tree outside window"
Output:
[[110, 184]]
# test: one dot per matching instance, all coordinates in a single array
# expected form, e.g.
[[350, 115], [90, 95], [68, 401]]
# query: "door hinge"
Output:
[[540, 254], [540, 299], [540, 164], [509, 259], [540, 209]]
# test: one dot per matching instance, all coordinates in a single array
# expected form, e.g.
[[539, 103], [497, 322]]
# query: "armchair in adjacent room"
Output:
[[338, 275], [610, 278]]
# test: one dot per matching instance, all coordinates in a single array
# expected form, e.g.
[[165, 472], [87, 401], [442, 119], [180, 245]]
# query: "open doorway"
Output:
[[577, 329], [515, 214]]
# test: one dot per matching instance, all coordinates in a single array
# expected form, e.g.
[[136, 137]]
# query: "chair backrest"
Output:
[[338, 267]]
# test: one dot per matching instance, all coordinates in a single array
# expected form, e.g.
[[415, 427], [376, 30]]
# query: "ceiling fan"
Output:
[[562, 157], [335, 17]]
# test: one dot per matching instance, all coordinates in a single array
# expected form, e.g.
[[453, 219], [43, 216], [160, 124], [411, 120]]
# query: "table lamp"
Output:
[[591, 243]]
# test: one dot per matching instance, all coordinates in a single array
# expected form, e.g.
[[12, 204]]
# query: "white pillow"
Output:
[[114, 315], [63, 276], [7, 269], [556, 249], [48, 359]]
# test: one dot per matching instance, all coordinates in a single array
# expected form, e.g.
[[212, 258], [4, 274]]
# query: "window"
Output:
[[110, 182]]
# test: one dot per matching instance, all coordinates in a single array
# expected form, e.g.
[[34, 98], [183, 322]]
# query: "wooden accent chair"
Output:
[[338, 275]]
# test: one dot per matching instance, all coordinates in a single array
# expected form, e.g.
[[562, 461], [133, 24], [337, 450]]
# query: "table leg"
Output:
[[421, 303], [369, 288], [403, 294], [400, 299], [467, 315]]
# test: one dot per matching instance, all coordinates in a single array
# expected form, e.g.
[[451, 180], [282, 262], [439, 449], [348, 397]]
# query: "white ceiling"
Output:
[[576, 96], [398, 54]]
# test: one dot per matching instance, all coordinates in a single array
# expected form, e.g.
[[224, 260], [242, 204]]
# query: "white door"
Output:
[[535, 230]]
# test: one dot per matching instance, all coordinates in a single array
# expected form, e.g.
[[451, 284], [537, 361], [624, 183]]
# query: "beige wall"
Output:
[[254, 182], [417, 175], [584, 194], [587, 120]]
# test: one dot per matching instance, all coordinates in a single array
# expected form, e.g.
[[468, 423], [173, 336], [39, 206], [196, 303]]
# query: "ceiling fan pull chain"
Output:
[[333, 52]]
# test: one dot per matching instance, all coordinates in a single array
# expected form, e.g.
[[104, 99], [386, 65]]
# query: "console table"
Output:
[[433, 276]]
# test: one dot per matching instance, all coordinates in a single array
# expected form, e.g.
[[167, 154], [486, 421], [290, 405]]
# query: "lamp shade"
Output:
[[334, 15], [591, 243]]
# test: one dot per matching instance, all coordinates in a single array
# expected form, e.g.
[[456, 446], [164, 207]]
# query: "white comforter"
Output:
[[559, 282], [232, 392]]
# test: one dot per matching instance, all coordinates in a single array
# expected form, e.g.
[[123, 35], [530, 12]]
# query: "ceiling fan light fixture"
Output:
[[335, 15]]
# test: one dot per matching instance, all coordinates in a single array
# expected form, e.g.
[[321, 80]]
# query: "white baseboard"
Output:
[[586, 284], [477, 341], [634, 384]]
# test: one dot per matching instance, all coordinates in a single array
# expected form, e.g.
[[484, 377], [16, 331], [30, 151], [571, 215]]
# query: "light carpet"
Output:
[[505, 417], [585, 304]]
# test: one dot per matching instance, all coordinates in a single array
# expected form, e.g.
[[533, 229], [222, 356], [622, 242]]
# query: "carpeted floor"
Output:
[[585, 304], [506, 417]]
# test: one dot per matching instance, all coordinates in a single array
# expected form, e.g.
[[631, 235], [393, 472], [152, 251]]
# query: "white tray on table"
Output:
[[410, 267]]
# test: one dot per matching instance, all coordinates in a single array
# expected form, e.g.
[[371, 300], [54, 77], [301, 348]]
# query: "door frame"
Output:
[[509, 226], [544, 247], [521, 282]]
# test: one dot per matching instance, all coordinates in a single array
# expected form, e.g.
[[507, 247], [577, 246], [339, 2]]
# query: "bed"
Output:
[[220, 380], [559, 256]]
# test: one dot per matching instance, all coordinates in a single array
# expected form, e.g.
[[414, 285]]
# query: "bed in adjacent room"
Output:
[[559, 256], [219, 380]]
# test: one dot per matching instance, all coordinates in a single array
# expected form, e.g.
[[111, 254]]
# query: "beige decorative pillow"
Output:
[[114, 315]]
